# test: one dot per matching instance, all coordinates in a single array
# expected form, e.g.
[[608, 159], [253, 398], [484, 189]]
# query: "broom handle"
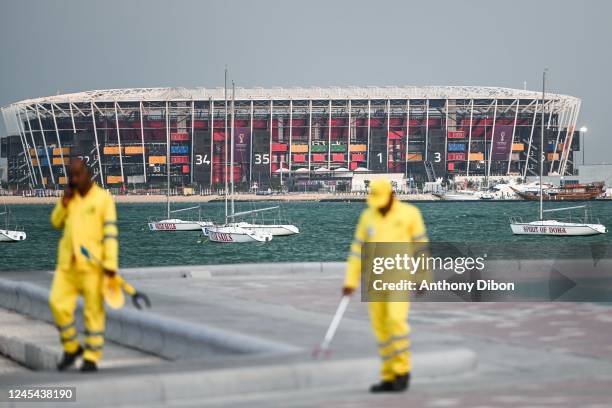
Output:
[[331, 331]]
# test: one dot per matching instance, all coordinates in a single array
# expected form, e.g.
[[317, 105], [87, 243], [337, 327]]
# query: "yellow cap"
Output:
[[380, 193], [113, 295]]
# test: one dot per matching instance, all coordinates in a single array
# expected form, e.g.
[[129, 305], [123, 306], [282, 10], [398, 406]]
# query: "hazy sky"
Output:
[[50, 46]]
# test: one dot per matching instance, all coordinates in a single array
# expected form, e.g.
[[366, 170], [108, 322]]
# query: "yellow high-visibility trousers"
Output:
[[390, 325], [66, 287]]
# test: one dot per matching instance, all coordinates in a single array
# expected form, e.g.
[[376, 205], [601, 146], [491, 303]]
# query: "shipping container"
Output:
[[299, 148], [62, 180], [456, 156], [136, 179], [179, 159], [318, 148], [114, 179], [338, 157], [179, 149], [111, 149], [185, 169], [457, 134], [299, 158], [133, 150], [456, 147], [179, 136], [63, 151], [518, 147], [279, 147], [476, 156], [57, 161], [338, 148], [157, 159], [451, 166], [318, 157], [358, 148], [553, 156], [358, 157], [414, 157]]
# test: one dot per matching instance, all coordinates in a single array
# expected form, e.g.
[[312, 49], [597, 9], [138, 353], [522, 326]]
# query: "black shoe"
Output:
[[383, 386], [88, 366], [68, 359], [402, 382]]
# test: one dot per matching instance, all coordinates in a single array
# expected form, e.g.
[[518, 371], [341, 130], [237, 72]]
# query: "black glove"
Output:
[[139, 296]]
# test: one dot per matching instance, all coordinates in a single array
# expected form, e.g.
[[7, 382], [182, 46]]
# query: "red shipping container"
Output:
[[451, 166], [218, 136], [458, 134], [318, 157], [179, 159], [279, 147], [456, 156], [353, 166], [396, 134], [338, 157], [179, 136], [185, 169], [358, 157]]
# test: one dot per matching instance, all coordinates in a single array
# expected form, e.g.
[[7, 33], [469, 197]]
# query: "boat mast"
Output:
[[167, 162], [542, 146], [232, 146], [225, 142]]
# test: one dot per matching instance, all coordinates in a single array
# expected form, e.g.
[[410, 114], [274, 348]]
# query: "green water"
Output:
[[326, 232]]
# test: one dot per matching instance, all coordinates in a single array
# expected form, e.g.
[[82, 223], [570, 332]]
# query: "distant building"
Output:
[[133, 136]]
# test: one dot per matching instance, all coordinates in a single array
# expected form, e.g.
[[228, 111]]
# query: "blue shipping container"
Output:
[[456, 147], [179, 149]]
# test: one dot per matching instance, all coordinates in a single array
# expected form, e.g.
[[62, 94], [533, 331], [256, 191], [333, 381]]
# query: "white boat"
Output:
[[277, 230], [228, 234], [459, 195], [10, 235], [176, 224], [553, 227], [7, 235]]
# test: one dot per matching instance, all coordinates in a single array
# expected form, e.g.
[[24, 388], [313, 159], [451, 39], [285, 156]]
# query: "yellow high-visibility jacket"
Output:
[[403, 223], [89, 221]]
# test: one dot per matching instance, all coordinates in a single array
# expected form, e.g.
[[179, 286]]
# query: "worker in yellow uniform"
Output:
[[386, 220], [86, 214]]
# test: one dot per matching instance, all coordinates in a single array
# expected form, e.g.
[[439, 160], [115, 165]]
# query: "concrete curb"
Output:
[[162, 336], [29, 354], [171, 388]]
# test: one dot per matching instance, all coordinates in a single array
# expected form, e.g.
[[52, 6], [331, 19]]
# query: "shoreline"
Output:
[[160, 198]]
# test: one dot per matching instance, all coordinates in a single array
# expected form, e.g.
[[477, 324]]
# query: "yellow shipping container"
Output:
[[111, 150], [299, 148], [114, 179], [477, 156], [358, 148], [157, 159], [57, 161], [134, 150], [63, 180], [553, 156], [414, 157], [518, 147], [63, 151]]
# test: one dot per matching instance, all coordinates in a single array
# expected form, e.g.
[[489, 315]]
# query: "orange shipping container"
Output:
[[57, 161], [299, 148], [518, 147], [157, 159], [476, 156], [134, 150], [63, 151], [114, 179], [553, 156], [111, 150], [414, 157], [358, 148], [63, 180]]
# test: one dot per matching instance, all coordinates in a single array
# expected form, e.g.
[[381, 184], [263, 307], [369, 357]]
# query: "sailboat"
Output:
[[551, 226], [232, 232], [278, 228], [9, 235]]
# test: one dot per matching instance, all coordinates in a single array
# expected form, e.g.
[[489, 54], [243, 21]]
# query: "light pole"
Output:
[[582, 130]]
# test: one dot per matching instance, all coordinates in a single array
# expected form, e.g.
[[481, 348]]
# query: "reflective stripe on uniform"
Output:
[[391, 340], [96, 333], [93, 348], [110, 236], [395, 353], [65, 327]]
